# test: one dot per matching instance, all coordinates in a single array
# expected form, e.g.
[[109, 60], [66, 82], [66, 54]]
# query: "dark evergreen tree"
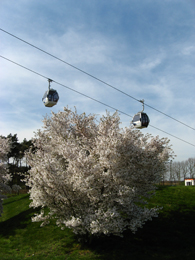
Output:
[[16, 159]]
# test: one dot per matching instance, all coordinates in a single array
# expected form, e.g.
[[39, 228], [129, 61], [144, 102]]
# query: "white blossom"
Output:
[[94, 177], [4, 176]]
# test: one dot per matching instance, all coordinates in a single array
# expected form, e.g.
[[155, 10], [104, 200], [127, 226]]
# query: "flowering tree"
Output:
[[4, 176], [93, 176]]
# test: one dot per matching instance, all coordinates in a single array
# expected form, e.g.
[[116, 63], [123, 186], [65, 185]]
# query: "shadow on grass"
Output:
[[20, 221], [166, 237], [14, 199]]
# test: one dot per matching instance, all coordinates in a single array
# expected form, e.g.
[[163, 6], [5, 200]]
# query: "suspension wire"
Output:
[[90, 75], [90, 97], [76, 91]]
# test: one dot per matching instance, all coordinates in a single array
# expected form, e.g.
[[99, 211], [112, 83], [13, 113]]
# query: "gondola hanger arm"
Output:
[[142, 101], [49, 80]]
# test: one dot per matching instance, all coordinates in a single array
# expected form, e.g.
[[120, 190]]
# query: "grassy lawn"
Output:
[[170, 236]]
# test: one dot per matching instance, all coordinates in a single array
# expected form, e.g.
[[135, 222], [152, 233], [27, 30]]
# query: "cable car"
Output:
[[50, 97], [141, 119]]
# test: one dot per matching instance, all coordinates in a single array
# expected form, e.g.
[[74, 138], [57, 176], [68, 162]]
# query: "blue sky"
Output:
[[144, 48]]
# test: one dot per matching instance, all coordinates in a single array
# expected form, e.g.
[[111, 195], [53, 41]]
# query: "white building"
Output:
[[189, 181]]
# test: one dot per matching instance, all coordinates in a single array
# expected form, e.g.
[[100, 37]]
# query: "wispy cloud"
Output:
[[143, 49]]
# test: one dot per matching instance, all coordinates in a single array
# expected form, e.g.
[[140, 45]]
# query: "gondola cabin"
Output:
[[50, 97], [140, 120]]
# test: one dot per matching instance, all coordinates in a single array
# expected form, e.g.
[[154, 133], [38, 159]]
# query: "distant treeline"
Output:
[[178, 171]]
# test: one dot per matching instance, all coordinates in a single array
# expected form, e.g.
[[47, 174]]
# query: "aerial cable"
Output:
[[89, 97], [90, 75], [76, 91]]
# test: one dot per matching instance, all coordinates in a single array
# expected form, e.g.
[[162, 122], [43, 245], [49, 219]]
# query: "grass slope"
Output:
[[170, 236]]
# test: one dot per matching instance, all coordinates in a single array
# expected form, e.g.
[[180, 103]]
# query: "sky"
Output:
[[143, 48]]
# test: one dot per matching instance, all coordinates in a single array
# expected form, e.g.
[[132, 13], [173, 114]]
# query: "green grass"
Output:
[[170, 236]]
